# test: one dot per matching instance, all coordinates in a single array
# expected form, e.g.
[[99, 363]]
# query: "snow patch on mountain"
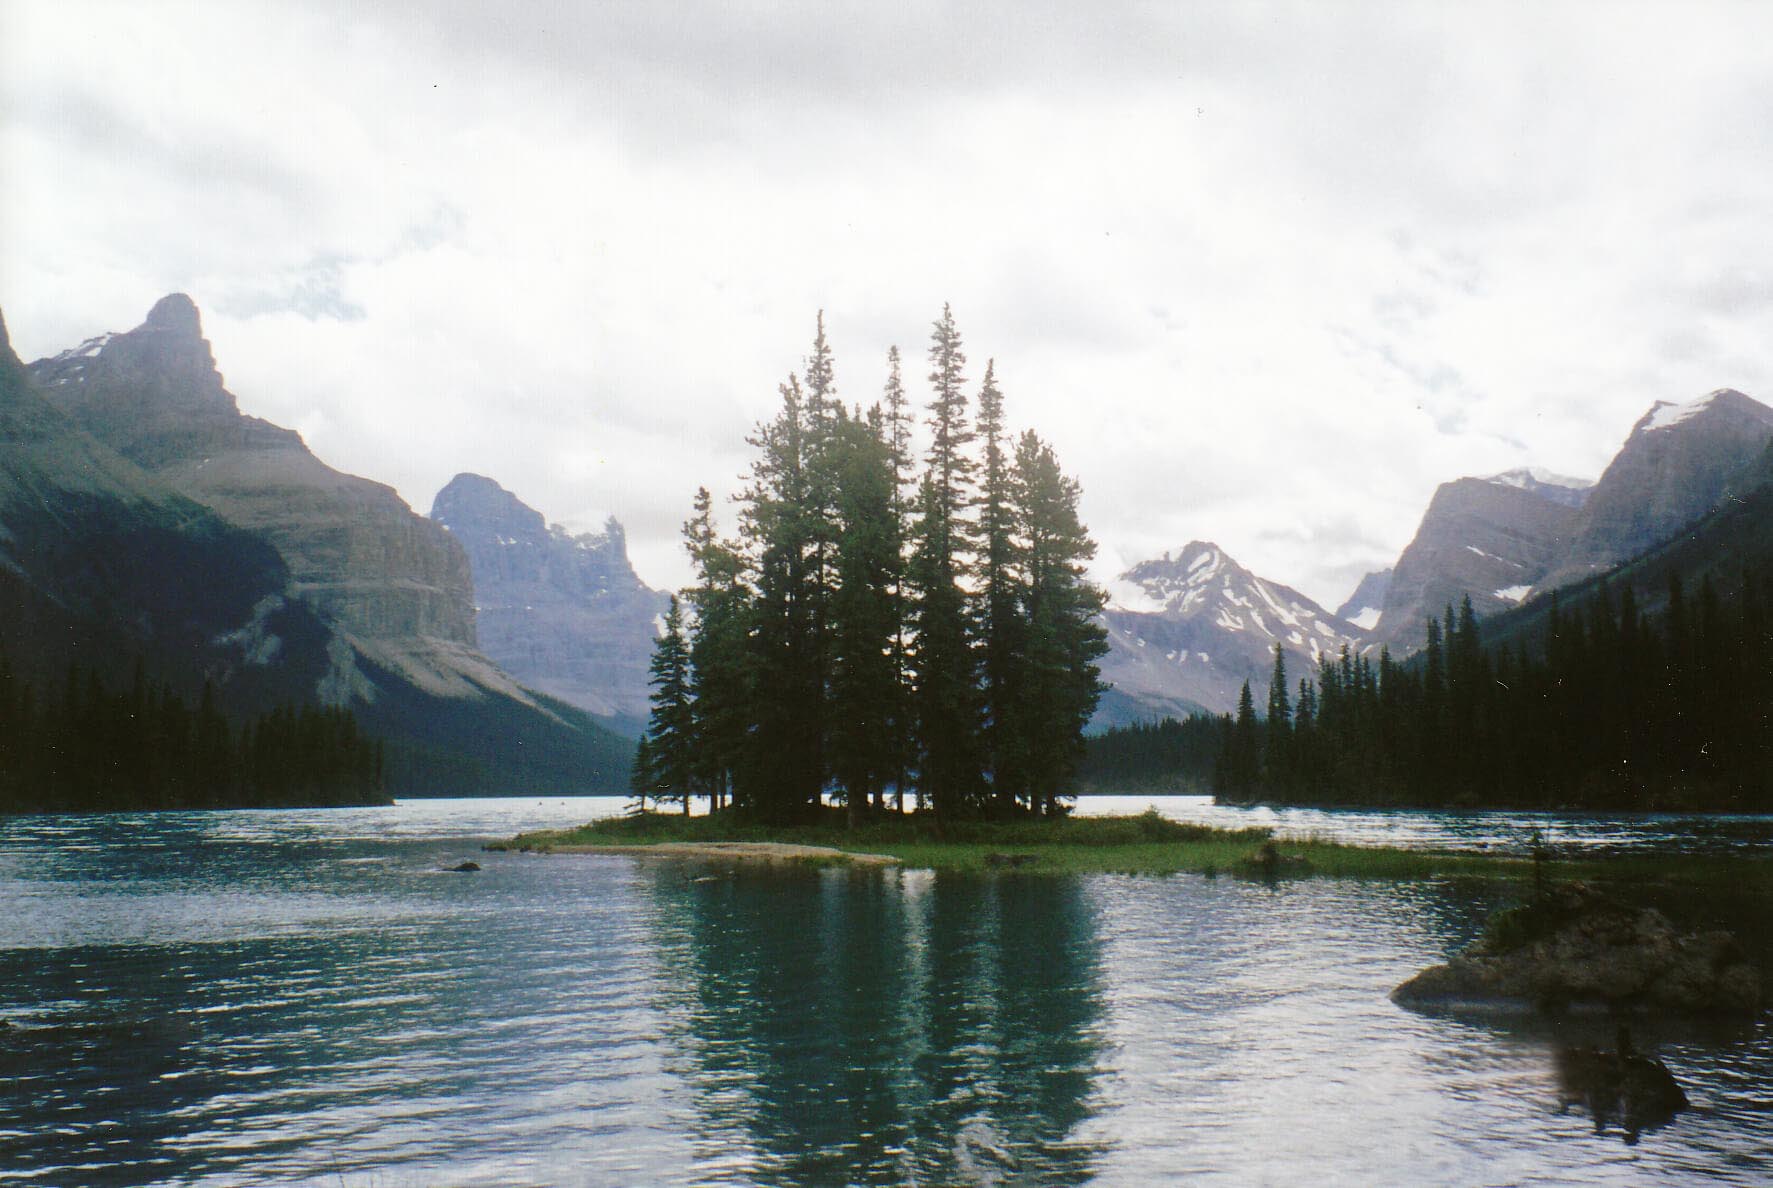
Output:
[[1665, 414]]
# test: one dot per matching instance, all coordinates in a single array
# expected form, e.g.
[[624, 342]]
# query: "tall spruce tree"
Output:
[[897, 411], [1279, 730], [720, 674], [998, 610], [1059, 636], [946, 686], [670, 731], [863, 611], [782, 775]]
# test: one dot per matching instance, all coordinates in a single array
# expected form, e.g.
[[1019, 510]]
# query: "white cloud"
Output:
[[1264, 275]]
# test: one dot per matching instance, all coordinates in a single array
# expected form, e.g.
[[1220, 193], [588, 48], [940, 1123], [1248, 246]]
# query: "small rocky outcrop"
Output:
[[1577, 947], [464, 868]]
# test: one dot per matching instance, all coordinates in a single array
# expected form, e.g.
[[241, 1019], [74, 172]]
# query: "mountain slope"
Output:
[[1363, 606], [1673, 469], [1731, 545], [1489, 539], [390, 590], [101, 565], [1187, 631], [562, 613]]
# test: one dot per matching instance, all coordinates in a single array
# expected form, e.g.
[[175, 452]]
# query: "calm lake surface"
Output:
[[306, 997]]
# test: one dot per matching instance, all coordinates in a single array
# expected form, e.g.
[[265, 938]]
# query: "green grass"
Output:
[[1142, 844]]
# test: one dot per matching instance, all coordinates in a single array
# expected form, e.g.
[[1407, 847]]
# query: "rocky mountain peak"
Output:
[[175, 313], [1674, 468], [1486, 539], [472, 504], [1186, 629], [563, 612], [1721, 402], [1176, 582], [163, 366]]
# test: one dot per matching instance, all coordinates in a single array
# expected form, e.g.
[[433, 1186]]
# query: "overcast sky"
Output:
[[1265, 275]]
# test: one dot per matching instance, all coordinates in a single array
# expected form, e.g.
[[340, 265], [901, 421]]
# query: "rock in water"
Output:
[[1635, 1090], [1579, 947], [465, 868]]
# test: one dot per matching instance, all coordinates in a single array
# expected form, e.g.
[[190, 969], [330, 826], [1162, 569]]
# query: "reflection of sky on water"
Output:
[[1497, 830], [213, 998]]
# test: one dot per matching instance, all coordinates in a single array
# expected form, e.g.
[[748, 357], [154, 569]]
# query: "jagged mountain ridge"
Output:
[[563, 613], [1186, 631], [391, 590], [1673, 470]]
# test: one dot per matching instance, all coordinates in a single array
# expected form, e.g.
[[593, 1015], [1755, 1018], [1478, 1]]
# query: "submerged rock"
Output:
[[1576, 947], [1623, 1086], [465, 868]]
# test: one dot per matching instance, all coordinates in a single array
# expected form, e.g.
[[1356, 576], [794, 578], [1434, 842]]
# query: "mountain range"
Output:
[[1679, 500], [1185, 631], [143, 514]]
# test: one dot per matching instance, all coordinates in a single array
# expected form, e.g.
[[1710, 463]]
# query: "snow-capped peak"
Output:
[[1664, 415], [1201, 583]]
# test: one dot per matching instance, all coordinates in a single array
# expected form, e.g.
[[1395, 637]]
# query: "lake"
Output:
[[308, 996]]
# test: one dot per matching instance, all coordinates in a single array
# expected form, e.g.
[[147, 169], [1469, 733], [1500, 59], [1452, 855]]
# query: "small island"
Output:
[[1142, 844]]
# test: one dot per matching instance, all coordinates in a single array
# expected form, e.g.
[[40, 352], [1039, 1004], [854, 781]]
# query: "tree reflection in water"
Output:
[[886, 1026]]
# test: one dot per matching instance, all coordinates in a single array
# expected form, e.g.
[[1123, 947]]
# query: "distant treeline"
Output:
[[1158, 757], [1620, 711], [85, 748]]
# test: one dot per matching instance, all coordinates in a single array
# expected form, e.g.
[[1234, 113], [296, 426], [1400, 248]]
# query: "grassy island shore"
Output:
[[1142, 844]]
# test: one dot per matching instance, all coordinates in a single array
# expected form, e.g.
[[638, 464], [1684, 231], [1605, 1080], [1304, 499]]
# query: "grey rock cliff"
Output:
[[563, 613], [1484, 538], [395, 582], [1674, 469]]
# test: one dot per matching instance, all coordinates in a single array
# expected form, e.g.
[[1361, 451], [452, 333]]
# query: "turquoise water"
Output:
[[307, 997]]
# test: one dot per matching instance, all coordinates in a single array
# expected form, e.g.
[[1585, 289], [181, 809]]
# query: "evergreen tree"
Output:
[[864, 618], [1244, 747], [783, 775], [719, 644], [946, 690], [998, 614], [670, 731], [897, 411], [1277, 753], [1060, 636]]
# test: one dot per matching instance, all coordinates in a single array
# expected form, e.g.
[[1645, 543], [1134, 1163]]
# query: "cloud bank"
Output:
[[1264, 274]]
